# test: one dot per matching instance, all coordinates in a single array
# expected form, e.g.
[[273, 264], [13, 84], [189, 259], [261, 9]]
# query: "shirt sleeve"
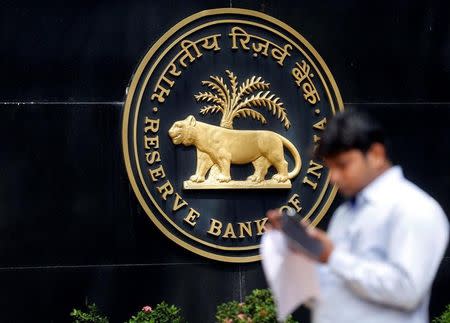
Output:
[[417, 244]]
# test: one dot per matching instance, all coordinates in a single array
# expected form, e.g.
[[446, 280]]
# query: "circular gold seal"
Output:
[[220, 123]]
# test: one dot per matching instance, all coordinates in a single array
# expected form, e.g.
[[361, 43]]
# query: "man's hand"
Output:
[[274, 222], [274, 219], [327, 244]]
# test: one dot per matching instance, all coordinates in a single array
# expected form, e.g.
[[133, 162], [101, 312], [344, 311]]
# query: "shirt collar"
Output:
[[377, 189]]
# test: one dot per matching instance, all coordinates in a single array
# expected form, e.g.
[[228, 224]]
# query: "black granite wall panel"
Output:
[[70, 226]]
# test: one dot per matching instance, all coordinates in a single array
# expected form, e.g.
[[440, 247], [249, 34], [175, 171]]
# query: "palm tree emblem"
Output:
[[240, 100]]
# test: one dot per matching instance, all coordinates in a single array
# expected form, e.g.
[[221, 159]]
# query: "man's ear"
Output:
[[377, 154], [191, 120]]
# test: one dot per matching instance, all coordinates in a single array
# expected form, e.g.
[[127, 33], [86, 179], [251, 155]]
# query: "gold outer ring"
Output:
[[129, 99]]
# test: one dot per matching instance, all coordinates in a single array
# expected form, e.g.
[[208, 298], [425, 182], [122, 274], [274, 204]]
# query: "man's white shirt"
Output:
[[388, 246]]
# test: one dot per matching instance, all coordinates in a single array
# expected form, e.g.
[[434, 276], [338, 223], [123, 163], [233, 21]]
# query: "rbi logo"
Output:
[[220, 123]]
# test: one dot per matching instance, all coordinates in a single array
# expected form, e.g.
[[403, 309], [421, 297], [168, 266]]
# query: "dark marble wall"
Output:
[[70, 226]]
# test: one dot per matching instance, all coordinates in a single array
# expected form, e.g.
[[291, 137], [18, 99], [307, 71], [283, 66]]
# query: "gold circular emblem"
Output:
[[220, 123]]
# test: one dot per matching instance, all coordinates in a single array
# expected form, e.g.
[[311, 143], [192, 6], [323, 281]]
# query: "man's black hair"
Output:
[[347, 131]]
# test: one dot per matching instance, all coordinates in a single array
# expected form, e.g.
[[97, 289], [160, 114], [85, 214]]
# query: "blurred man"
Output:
[[384, 245]]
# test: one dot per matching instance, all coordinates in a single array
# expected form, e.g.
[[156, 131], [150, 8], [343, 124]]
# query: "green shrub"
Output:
[[92, 315], [163, 313], [258, 307], [444, 317]]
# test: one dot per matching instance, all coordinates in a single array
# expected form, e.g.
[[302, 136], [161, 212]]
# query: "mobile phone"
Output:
[[297, 235]]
